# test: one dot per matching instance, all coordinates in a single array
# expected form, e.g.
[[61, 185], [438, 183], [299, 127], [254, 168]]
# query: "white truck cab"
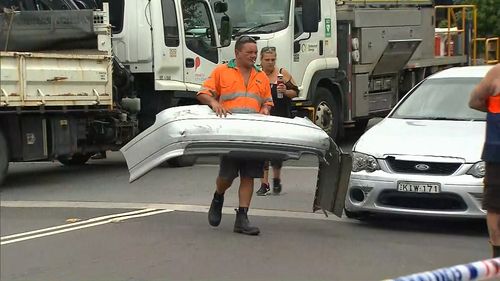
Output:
[[352, 59], [170, 46]]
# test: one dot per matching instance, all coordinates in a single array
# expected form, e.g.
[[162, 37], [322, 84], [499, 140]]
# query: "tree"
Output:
[[488, 16]]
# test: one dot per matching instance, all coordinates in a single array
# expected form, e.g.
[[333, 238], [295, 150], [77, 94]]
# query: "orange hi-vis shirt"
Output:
[[494, 104], [491, 150], [227, 86]]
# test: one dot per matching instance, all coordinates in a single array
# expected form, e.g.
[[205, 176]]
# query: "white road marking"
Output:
[[86, 225], [176, 207], [75, 224]]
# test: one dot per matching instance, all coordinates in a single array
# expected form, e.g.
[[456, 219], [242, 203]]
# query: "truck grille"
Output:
[[422, 201], [430, 168]]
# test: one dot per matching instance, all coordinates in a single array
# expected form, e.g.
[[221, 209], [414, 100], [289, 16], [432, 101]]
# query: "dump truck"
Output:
[[64, 94]]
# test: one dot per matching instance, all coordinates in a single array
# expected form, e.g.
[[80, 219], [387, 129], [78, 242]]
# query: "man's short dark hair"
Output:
[[242, 41]]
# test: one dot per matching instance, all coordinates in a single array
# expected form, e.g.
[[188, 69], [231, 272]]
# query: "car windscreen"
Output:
[[440, 99]]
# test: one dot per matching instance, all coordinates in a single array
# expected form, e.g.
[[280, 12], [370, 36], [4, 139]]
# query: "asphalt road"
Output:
[[179, 245], [89, 223]]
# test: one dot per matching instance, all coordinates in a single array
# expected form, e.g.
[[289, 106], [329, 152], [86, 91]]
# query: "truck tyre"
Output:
[[74, 160], [361, 125], [327, 112], [4, 157], [182, 161]]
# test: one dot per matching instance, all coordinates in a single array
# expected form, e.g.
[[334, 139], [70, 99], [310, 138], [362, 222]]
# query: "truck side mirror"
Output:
[[220, 7], [310, 15], [226, 31]]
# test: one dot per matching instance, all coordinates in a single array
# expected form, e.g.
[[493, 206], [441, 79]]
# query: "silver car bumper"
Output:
[[459, 196], [195, 130]]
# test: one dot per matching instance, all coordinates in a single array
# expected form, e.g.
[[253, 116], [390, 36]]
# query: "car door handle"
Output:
[[189, 62], [320, 47]]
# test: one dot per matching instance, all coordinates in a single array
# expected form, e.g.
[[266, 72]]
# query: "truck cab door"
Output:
[[200, 50], [185, 43], [167, 44], [309, 47]]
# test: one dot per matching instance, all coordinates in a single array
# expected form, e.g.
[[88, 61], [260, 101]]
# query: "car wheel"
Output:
[[327, 112], [4, 157], [182, 161], [76, 159]]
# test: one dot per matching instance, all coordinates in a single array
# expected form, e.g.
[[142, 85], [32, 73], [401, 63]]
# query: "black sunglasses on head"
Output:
[[246, 39]]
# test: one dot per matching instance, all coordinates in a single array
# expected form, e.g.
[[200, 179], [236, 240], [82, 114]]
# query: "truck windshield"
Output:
[[257, 16]]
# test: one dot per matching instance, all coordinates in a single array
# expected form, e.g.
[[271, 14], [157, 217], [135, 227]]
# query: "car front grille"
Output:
[[429, 168], [422, 201]]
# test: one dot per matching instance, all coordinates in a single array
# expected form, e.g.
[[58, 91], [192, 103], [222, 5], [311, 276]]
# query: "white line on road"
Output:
[[86, 224], [76, 223], [175, 207]]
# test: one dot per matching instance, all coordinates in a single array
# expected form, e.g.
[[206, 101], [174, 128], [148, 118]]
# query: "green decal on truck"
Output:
[[328, 27]]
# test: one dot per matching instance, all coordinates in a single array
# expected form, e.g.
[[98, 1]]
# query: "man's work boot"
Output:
[[276, 186], [242, 225], [99, 155], [263, 190], [215, 211]]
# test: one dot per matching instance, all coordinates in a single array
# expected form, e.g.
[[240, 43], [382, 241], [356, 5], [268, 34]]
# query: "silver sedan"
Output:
[[425, 157]]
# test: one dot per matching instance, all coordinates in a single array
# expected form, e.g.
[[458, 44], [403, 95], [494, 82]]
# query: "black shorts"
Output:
[[277, 164], [491, 200], [247, 168]]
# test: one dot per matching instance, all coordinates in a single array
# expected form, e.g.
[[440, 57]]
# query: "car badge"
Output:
[[422, 167]]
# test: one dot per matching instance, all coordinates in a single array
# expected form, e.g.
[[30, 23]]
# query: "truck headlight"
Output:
[[361, 161], [477, 170]]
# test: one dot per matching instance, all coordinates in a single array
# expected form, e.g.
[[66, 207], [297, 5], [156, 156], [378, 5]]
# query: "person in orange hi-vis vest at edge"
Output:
[[486, 97], [237, 87]]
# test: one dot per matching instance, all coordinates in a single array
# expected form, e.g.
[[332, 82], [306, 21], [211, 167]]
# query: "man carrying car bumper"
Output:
[[486, 97], [237, 87]]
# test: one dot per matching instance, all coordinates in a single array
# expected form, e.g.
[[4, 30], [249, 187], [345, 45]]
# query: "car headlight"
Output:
[[477, 170], [361, 161]]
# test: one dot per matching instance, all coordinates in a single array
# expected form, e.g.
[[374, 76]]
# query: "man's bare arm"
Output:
[[489, 86]]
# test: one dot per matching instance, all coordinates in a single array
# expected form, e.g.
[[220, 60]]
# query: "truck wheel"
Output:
[[327, 112], [4, 157], [361, 125], [182, 161], [74, 160]]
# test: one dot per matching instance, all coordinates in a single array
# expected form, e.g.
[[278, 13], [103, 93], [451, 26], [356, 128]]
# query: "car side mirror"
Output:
[[226, 31], [220, 7], [310, 15]]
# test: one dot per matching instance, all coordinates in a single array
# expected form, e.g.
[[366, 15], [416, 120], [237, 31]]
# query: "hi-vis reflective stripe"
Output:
[[494, 104], [228, 97], [243, 110]]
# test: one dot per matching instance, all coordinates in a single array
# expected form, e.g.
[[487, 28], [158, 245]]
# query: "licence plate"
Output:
[[418, 187]]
